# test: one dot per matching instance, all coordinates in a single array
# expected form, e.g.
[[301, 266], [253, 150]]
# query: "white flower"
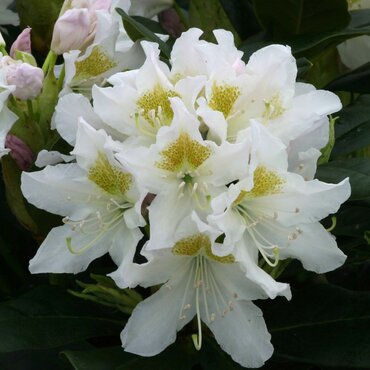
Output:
[[184, 171], [274, 214], [99, 201], [6, 15], [138, 104], [267, 92], [109, 52], [197, 283]]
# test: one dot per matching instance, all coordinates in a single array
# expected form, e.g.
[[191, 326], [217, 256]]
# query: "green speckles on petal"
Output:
[[195, 244], [154, 104], [223, 98], [109, 178], [265, 182], [97, 63], [183, 152]]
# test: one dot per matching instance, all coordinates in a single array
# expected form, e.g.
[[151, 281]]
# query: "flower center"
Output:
[[155, 106], [109, 178], [94, 65], [265, 182], [273, 108], [183, 154], [199, 244], [223, 98]]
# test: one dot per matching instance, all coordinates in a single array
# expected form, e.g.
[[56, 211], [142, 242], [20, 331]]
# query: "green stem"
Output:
[[50, 61], [61, 77]]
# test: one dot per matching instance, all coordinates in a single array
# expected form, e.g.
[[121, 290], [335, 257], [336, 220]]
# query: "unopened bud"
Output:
[[22, 43], [71, 31], [76, 27], [20, 152], [27, 79]]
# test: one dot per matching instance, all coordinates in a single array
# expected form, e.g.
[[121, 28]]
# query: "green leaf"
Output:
[[356, 81], [322, 325], [286, 18], [312, 44], [209, 15], [138, 31], [48, 317], [303, 65], [98, 359], [242, 17], [353, 127], [179, 356], [358, 171], [353, 221]]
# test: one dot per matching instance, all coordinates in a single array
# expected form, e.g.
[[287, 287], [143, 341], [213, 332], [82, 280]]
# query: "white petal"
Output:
[[62, 189], [153, 324], [316, 249], [303, 201], [54, 255], [243, 335], [67, 113], [246, 254]]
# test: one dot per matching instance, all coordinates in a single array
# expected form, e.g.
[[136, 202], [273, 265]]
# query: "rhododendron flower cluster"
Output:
[[214, 157]]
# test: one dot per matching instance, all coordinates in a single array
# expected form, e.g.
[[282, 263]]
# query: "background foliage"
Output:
[[68, 322]]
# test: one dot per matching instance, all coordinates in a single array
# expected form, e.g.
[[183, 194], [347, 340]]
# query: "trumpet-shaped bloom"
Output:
[[99, 201], [197, 283], [265, 91], [146, 105], [184, 171], [273, 214]]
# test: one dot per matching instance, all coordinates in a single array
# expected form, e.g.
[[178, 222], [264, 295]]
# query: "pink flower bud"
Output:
[[22, 43], [72, 31], [170, 21], [27, 79], [20, 152]]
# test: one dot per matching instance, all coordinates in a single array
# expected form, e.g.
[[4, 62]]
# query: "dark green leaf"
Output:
[[322, 325], [352, 129], [356, 81], [48, 317], [138, 31], [179, 356], [311, 44], [209, 15], [287, 18], [242, 17], [358, 171], [98, 359], [303, 65], [353, 221]]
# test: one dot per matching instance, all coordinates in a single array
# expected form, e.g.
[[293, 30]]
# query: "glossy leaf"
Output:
[[209, 15], [353, 127], [313, 43], [286, 18], [322, 325], [358, 171], [48, 317], [138, 31], [356, 81]]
